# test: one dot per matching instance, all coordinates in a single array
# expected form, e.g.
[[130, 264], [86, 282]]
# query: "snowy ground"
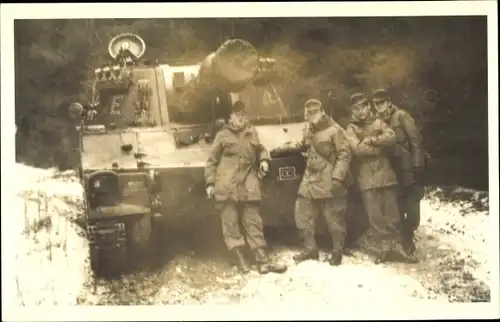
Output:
[[50, 258], [51, 265]]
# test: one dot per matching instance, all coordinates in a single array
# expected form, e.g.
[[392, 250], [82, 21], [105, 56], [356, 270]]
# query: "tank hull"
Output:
[[185, 204]]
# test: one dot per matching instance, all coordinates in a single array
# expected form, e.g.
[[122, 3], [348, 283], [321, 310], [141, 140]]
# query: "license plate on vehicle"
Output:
[[107, 236], [286, 173]]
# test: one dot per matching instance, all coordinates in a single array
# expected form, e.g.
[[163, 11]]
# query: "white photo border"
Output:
[[9, 12]]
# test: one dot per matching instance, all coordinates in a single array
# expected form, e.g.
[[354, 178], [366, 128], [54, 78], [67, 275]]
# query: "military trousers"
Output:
[[381, 205], [333, 210], [409, 205], [356, 218], [242, 224]]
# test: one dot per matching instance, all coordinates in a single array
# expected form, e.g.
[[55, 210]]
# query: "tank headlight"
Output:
[[104, 188], [105, 184], [99, 73]]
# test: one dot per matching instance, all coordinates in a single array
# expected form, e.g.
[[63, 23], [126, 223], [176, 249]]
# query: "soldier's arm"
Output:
[[414, 138], [385, 139], [304, 141], [351, 137], [261, 150], [213, 160], [298, 145], [360, 148], [343, 155]]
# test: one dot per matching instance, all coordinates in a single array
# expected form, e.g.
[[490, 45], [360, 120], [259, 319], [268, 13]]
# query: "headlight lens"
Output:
[[104, 189], [105, 184]]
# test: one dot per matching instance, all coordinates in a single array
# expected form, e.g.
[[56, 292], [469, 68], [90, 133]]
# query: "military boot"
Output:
[[383, 251], [241, 261], [399, 254], [260, 256], [265, 264], [306, 254], [349, 251], [335, 258], [410, 243], [382, 257]]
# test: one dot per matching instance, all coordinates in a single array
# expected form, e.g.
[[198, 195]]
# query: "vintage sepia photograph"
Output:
[[250, 155]]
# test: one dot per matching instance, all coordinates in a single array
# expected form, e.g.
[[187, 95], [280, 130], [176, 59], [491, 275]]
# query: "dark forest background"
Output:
[[435, 67]]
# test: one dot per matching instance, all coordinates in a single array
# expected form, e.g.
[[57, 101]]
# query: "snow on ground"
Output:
[[50, 253], [52, 264], [461, 227], [452, 268], [454, 252], [318, 282]]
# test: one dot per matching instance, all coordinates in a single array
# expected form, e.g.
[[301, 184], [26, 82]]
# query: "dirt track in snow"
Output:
[[451, 269], [453, 252], [443, 274]]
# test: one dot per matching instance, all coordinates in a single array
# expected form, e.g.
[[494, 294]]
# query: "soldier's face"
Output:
[[237, 119], [313, 114], [361, 111], [382, 108]]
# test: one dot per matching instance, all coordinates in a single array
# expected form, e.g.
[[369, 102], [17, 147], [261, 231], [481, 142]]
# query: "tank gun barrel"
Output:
[[229, 69]]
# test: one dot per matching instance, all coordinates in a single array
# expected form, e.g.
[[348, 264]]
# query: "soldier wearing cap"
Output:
[[232, 175], [368, 138], [322, 188], [407, 159]]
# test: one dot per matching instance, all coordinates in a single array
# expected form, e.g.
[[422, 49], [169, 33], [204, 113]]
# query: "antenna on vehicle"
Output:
[[126, 48]]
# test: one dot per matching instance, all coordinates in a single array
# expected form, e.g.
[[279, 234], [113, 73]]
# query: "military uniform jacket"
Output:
[[408, 151], [371, 166], [327, 159], [232, 166]]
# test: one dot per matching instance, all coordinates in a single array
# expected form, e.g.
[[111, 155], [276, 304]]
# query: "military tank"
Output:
[[145, 135]]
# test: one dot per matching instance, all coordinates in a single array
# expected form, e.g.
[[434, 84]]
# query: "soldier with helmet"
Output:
[[322, 187], [368, 138], [407, 159], [232, 175]]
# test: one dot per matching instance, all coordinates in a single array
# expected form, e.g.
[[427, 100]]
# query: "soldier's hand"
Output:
[[338, 188], [210, 191], [264, 167], [370, 140]]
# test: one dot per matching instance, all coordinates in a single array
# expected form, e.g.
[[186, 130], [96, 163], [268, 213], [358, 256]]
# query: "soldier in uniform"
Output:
[[368, 138], [408, 161], [232, 175], [356, 219], [322, 188]]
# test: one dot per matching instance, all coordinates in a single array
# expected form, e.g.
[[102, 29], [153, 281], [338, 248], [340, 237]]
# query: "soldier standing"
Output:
[[407, 160], [232, 175], [322, 188], [368, 136], [355, 218]]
